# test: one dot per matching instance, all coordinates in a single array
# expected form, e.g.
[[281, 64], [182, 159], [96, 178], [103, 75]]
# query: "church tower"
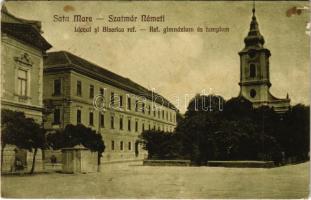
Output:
[[255, 71]]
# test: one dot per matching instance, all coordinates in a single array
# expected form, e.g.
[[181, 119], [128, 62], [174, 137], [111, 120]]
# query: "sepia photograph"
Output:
[[155, 99]]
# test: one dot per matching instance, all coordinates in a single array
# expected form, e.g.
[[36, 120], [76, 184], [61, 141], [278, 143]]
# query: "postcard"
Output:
[[155, 99]]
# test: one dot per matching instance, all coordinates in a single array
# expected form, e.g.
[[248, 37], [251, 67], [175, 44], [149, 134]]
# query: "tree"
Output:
[[10, 128], [238, 108], [35, 139], [236, 132], [22, 132], [294, 132], [215, 129], [197, 128], [74, 135], [207, 104], [160, 144]]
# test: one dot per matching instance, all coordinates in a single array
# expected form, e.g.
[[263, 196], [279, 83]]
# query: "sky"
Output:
[[180, 65]]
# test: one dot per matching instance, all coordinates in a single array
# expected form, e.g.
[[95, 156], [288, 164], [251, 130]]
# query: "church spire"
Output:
[[253, 10], [254, 38]]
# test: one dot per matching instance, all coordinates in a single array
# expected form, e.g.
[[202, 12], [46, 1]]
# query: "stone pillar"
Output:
[[8, 158]]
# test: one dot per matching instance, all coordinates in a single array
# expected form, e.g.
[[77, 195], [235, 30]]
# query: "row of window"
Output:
[[139, 106], [121, 146], [57, 117]]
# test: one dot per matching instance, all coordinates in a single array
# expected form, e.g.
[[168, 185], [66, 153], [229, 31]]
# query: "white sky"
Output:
[[176, 64]]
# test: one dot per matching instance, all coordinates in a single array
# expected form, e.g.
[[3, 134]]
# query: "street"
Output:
[[132, 180]]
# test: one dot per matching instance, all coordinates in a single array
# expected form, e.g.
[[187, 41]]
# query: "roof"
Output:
[[26, 30], [7, 17], [63, 60], [254, 38], [254, 41], [273, 98], [26, 33]]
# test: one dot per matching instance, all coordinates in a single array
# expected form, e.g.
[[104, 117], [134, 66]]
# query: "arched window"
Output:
[[252, 70]]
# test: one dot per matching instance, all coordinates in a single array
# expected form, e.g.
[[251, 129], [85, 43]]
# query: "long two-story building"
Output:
[[78, 91]]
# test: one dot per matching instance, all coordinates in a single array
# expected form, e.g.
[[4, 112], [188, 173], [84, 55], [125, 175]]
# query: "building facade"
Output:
[[255, 71], [78, 91], [22, 52]]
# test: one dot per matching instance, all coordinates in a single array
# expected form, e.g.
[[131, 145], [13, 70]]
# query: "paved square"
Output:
[[132, 180]]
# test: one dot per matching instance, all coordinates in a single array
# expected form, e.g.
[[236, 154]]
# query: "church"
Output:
[[255, 72]]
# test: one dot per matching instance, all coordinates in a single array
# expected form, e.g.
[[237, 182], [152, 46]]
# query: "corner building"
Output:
[[22, 50], [78, 91]]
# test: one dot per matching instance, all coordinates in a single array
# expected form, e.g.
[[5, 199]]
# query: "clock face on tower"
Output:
[[252, 54]]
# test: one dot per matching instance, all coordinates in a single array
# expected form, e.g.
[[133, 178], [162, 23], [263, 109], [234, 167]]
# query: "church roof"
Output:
[[254, 37], [63, 60], [273, 98], [254, 41]]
